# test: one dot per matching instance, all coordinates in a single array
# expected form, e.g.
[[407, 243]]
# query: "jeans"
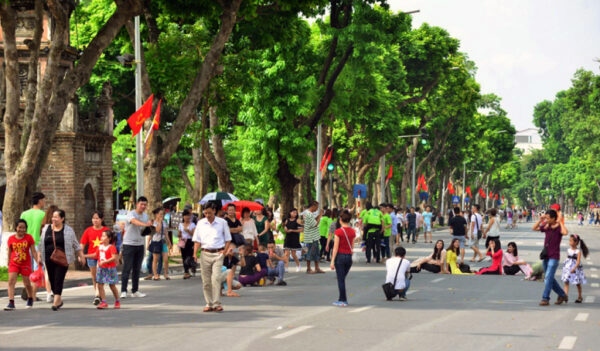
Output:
[[148, 264], [550, 283], [385, 247], [133, 256], [402, 293], [342, 263], [373, 246], [409, 231], [277, 271]]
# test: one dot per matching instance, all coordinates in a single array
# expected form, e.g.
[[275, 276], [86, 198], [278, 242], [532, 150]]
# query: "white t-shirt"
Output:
[[476, 222], [185, 235], [133, 235], [391, 266]]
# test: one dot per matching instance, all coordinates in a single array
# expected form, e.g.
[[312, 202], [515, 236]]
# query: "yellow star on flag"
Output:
[[96, 242]]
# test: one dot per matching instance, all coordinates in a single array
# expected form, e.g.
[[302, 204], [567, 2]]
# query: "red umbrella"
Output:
[[240, 204]]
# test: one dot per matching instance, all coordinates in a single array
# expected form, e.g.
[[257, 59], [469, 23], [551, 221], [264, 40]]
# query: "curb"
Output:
[[73, 283]]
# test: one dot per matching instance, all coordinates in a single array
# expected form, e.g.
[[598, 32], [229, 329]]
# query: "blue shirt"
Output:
[[427, 217], [394, 223]]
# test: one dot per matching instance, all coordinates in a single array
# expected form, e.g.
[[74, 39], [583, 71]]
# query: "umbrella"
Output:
[[223, 197], [170, 202], [240, 204]]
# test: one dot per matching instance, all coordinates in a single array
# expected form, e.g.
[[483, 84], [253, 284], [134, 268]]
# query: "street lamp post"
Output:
[[139, 145]]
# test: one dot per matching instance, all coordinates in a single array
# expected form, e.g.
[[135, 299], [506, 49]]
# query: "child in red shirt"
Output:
[[107, 257], [19, 262]]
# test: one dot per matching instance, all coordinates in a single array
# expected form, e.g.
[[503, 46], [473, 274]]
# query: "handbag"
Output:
[[58, 256], [389, 289], [544, 253]]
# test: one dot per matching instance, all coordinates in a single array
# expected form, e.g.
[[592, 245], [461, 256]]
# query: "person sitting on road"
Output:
[[275, 264], [434, 263], [250, 268], [230, 263], [512, 264], [402, 266], [452, 253], [495, 251]]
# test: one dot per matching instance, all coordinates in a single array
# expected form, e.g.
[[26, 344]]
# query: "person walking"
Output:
[[58, 235], [554, 230], [21, 250], [34, 217], [186, 246], [133, 247], [572, 270], [92, 239], [476, 232], [213, 237], [341, 257]]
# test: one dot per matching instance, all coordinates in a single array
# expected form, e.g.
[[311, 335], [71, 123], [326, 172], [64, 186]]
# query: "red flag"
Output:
[[326, 158], [155, 125], [468, 190], [491, 194], [137, 119], [389, 175], [424, 186], [496, 197], [419, 183], [481, 193], [450, 188]]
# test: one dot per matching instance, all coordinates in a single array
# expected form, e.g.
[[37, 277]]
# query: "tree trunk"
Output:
[[216, 159], [288, 182]]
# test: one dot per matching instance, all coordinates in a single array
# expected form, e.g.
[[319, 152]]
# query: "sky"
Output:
[[526, 51]]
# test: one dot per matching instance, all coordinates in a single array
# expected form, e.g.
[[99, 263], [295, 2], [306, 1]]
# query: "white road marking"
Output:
[[593, 269], [292, 332], [582, 317], [539, 243], [149, 306], [437, 280], [589, 299], [595, 285], [594, 275], [14, 331], [410, 292], [590, 262], [567, 343], [361, 309]]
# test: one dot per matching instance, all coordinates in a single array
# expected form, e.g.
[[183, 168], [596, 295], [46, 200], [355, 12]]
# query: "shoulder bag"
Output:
[[58, 255], [389, 289]]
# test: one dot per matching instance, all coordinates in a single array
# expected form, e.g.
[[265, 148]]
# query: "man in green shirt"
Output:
[[324, 225], [387, 230], [34, 217], [374, 231]]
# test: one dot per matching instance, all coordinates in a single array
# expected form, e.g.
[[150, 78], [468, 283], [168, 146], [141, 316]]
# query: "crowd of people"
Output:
[[43, 241]]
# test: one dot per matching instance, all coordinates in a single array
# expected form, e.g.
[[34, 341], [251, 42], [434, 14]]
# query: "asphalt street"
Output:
[[442, 312]]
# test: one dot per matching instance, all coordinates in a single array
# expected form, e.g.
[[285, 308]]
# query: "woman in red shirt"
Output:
[[92, 238], [495, 251], [341, 258]]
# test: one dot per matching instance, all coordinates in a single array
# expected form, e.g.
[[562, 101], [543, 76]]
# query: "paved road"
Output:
[[443, 312]]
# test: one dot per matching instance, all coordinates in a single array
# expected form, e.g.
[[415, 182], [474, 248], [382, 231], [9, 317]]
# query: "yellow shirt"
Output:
[[451, 260]]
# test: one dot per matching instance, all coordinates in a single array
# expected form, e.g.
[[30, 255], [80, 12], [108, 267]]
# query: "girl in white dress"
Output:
[[572, 270]]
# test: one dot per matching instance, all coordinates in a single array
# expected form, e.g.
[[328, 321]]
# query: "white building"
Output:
[[528, 140]]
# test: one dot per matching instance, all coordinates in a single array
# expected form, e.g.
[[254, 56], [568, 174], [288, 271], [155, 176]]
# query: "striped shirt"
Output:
[[311, 228]]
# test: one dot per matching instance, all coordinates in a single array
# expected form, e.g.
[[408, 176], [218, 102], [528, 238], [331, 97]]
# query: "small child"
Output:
[[107, 257], [21, 248], [572, 270], [263, 257]]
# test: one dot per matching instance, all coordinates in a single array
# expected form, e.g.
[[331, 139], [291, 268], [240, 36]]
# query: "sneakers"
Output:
[[96, 301], [298, 268], [49, 298], [403, 298], [138, 294], [10, 306], [123, 294], [29, 303], [340, 304], [117, 304], [102, 305]]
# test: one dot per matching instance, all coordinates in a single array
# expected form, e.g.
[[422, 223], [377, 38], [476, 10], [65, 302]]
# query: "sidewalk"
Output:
[[77, 277]]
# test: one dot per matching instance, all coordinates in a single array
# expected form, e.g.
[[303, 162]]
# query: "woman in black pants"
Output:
[[58, 235], [341, 257], [186, 246]]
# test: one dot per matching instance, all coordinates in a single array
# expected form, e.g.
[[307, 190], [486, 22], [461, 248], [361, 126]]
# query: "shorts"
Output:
[[509, 221], [92, 262], [461, 240], [165, 248], [107, 275], [23, 270], [313, 253], [427, 228]]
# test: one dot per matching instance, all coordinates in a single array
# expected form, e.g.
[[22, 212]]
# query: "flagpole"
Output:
[[139, 144]]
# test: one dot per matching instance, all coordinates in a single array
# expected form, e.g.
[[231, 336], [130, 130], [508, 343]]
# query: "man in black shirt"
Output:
[[458, 229]]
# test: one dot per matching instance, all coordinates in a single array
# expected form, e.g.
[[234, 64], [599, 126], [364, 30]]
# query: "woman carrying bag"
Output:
[[58, 247], [492, 231]]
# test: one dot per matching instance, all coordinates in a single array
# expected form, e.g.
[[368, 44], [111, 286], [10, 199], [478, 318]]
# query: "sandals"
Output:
[[155, 278], [233, 294], [207, 309], [579, 300], [167, 278], [218, 309]]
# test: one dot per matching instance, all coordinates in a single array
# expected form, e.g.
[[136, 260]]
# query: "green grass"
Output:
[[4, 275]]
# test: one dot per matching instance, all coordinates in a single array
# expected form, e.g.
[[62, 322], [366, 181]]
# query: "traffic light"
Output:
[[424, 136], [330, 161]]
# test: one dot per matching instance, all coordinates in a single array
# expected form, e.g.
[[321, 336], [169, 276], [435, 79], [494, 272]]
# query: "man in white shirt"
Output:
[[476, 232], [213, 237], [398, 268], [133, 247]]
